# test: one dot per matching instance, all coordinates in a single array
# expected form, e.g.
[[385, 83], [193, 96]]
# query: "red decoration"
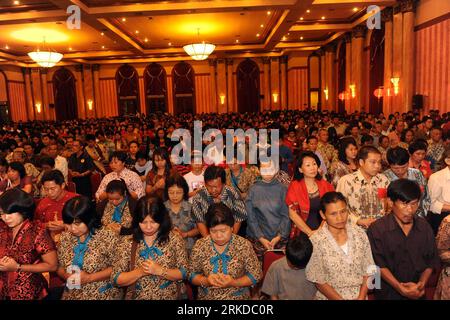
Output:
[[378, 93], [342, 96], [382, 193]]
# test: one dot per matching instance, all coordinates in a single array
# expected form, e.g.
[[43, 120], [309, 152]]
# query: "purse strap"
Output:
[[131, 290]]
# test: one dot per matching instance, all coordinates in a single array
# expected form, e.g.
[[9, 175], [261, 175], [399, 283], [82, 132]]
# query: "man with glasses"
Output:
[[403, 245]]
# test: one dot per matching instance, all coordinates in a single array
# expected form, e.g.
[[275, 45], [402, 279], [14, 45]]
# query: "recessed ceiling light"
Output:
[[268, 13], [103, 47], [301, 18], [257, 34], [70, 49], [170, 43], [137, 31], [301, 38], [16, 2], [284, 38], [146, 40], [323, 18], [102, 34], [124, 19], [308, 11], [262, 26], [355, 9], [237, 40], [6, 47]]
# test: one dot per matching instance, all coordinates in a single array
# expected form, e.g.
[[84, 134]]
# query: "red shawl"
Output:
[[297, 195]]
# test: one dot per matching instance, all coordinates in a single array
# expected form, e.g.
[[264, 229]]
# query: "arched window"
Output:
[[183, 88], [155, 88], [65, 95], [127, 81], [248, 86]]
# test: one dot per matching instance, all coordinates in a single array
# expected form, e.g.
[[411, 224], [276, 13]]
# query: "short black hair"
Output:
[[179, 181], [49, 161], [219, 213], [155, 208], [81, 208], [366, 138], [17, 200], [404, 190], [118, 186], [309, 138], [397, 156], [17, 166], [119, 155], [53, 175], [3, 162], [90, 137], [299, 250], [363, 153], [331, 197], [141, 155], [419, 144], [306, 154], [213, 172], [382, 137]]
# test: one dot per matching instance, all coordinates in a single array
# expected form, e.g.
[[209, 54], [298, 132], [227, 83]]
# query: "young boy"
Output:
[[286, 279]]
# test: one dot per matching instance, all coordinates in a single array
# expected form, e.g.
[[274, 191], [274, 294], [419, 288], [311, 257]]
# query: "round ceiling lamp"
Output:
[[45, 58], [200, 50]]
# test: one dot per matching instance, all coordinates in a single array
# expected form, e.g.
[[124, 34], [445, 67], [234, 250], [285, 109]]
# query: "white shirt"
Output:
[[61, 165], [194, 181], [439, 188]]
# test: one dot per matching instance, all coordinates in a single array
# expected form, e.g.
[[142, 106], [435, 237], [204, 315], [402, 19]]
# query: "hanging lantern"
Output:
[[378, 93], [341, 96]]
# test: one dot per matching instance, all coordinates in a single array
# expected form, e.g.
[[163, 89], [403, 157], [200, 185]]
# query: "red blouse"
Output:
[[31, 242]]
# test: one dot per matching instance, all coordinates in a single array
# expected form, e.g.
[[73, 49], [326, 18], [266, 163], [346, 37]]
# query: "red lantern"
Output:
[[378, 93], [341, 96]]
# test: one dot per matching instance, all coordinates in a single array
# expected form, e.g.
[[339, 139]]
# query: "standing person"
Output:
[[60, 162], [132, 180], [304, 192], [26, 249], [180, 209], [418, 151], [341, 259], [268, 223], [398, 159], [443, 245], [80, 169], [97, 153], [116, 211], [155, 259], [88, 248], [365, 189], [403, 245], [438, 184], [436, 149], [325, 148], [216, 191], [223, 264], [347, 163]]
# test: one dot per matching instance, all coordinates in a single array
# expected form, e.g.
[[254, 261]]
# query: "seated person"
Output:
[[286, 279]]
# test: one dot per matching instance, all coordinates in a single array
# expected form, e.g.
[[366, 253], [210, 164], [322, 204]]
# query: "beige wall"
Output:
[[431, 9]]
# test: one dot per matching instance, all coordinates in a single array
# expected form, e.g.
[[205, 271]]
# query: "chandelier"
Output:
[[200, 50], [45, 58]]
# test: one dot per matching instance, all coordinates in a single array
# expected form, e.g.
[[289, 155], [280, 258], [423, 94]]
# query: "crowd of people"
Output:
[[354, 206]]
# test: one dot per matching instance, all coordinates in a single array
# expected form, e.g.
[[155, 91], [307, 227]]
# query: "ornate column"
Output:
[[408, 9], [96, 80], [230, 87], [357, 68], [387, 16], [45, 105], [397, 57], [37, 94], [215, 99], [222, 84], [284, 92], [274, 83], [348, 69], [331, 79], [28, 95], [80, 91], [267, 95]]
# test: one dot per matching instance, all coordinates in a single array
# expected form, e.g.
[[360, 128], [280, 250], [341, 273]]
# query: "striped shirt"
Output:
[[229, 197]]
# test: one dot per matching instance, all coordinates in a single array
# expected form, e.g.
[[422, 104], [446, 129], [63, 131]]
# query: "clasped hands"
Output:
[[270, 245], [149, 267], [220, 280], [8, 264], [412, 290]]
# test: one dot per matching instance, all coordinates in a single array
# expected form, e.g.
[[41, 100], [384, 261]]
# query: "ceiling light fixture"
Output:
[[124, 19], [268, 13], [323, 18], [46, 58], [308, 11], [199, 50], [257, 35], [7, 47], [355, 9]]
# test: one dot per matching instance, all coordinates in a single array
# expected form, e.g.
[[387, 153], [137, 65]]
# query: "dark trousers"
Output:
[[435, 220]]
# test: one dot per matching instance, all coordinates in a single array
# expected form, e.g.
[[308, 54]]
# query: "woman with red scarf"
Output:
[[26, 249], [304, 193]]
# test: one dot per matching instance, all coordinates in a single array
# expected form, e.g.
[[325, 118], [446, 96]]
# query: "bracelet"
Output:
[[202, 284]]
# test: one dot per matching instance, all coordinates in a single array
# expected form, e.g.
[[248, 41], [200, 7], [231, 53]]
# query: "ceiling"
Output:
[[112, 30]]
